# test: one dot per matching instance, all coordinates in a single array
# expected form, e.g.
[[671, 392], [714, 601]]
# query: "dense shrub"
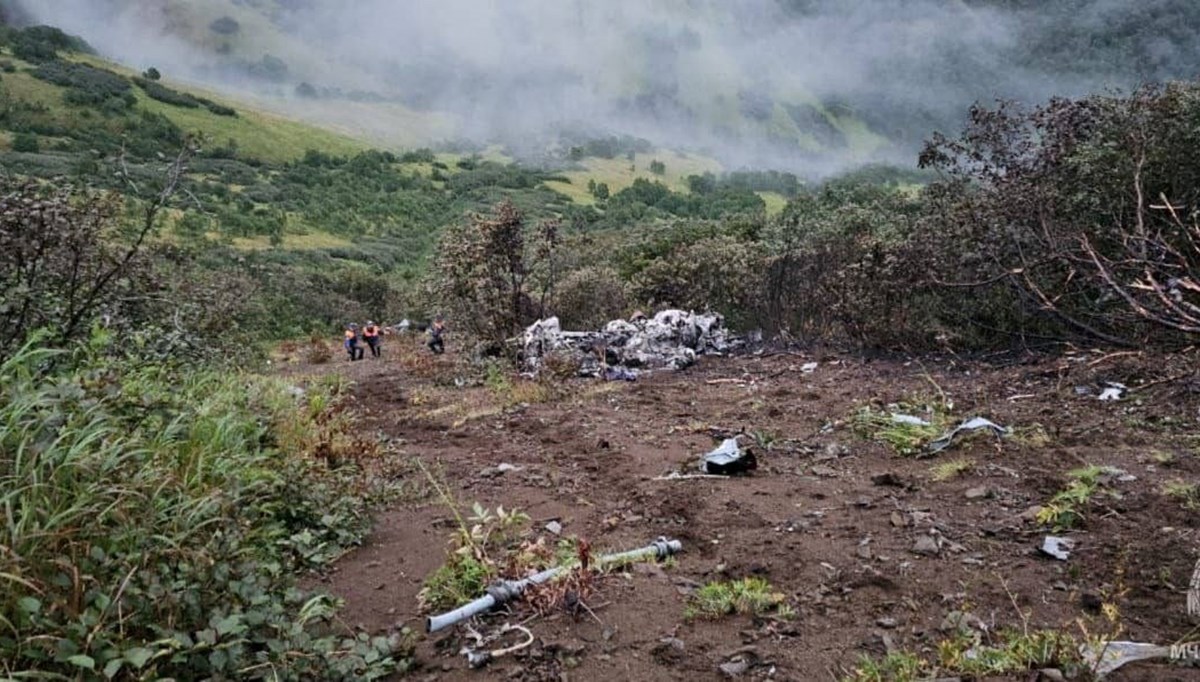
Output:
[[589, 297], [156, 526], [418, 156], [42, 43], [86, 85], [160, 92]]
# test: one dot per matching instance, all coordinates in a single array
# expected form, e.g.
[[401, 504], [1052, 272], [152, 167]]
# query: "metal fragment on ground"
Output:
[[1105, 657], [1113, 391], [1059, 548], [973, 424], [728, 459], [908, 419]]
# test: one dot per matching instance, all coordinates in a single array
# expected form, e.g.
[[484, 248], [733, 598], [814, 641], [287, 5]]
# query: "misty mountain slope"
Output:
[[257, 134], [809, 85]]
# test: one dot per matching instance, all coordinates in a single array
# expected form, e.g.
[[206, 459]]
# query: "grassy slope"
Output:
[[616, 172], [258, 133]]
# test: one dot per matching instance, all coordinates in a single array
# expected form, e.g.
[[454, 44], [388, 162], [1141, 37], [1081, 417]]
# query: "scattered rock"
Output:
[[668, 651], [824, 471], [891, 480], [960, 621], [898, 520], [1051, 675], [926, 545], [978, 493], [863, 552], [498, 470], [734, 668], [1030, 514], [886, 623], [831, 451]]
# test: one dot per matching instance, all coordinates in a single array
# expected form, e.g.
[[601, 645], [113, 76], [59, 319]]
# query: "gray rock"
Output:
[[925, 545], [978, 493], [886, 623], [734, 668], [831, 451], [1051, 675], [824, 471]]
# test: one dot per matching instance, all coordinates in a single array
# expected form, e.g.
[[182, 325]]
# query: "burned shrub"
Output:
[[1085, 209]]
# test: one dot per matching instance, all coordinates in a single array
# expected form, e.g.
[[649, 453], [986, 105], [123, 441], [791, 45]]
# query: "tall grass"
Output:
[[149, 526]]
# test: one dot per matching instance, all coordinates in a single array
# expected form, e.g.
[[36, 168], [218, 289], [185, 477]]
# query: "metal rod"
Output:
[[507, 590]]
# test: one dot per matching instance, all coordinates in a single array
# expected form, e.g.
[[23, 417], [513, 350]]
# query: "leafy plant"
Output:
[[1188, 494], [950, 469], [753, 596], [966, 654], [1012, 652], [480, 547], [897, 666], [899, 427], [1065, 509]]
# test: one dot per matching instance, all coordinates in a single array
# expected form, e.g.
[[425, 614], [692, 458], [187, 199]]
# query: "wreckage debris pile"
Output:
[[672, 339]]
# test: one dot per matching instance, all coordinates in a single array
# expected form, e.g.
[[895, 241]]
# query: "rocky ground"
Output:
[[874, 551]]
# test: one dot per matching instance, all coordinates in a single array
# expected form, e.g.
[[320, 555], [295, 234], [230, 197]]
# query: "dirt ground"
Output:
[[872, 552]]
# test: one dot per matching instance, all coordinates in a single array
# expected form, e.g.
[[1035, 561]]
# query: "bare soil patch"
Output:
[[839, 523]]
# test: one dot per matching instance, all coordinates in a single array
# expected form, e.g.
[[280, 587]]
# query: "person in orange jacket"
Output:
[[371, 335], [351, 344]]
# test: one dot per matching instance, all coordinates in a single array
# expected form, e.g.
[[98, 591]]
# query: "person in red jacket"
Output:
[[371, 336]]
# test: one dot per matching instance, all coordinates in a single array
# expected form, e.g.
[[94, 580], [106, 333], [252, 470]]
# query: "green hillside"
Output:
[[307, 209]]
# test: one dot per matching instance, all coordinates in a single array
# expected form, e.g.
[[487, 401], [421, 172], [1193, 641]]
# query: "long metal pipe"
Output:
[[506, 590]]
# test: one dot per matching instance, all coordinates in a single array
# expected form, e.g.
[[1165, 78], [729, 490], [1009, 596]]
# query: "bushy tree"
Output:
[[484, 272]]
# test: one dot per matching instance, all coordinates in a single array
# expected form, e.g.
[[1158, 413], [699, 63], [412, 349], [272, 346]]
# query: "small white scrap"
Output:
[[1112, 391]]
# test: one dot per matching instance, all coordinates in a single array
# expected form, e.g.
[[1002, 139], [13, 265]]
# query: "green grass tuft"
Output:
[[752, 596]]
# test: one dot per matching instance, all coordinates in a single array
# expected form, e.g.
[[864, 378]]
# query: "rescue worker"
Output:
[[436, 330], [352, 347], [371, 336]]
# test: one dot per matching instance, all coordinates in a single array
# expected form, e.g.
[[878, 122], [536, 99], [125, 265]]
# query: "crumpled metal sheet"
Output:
[[1059, 548], [1105, 657], [973, 424], [727, 459], [672, 339]]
